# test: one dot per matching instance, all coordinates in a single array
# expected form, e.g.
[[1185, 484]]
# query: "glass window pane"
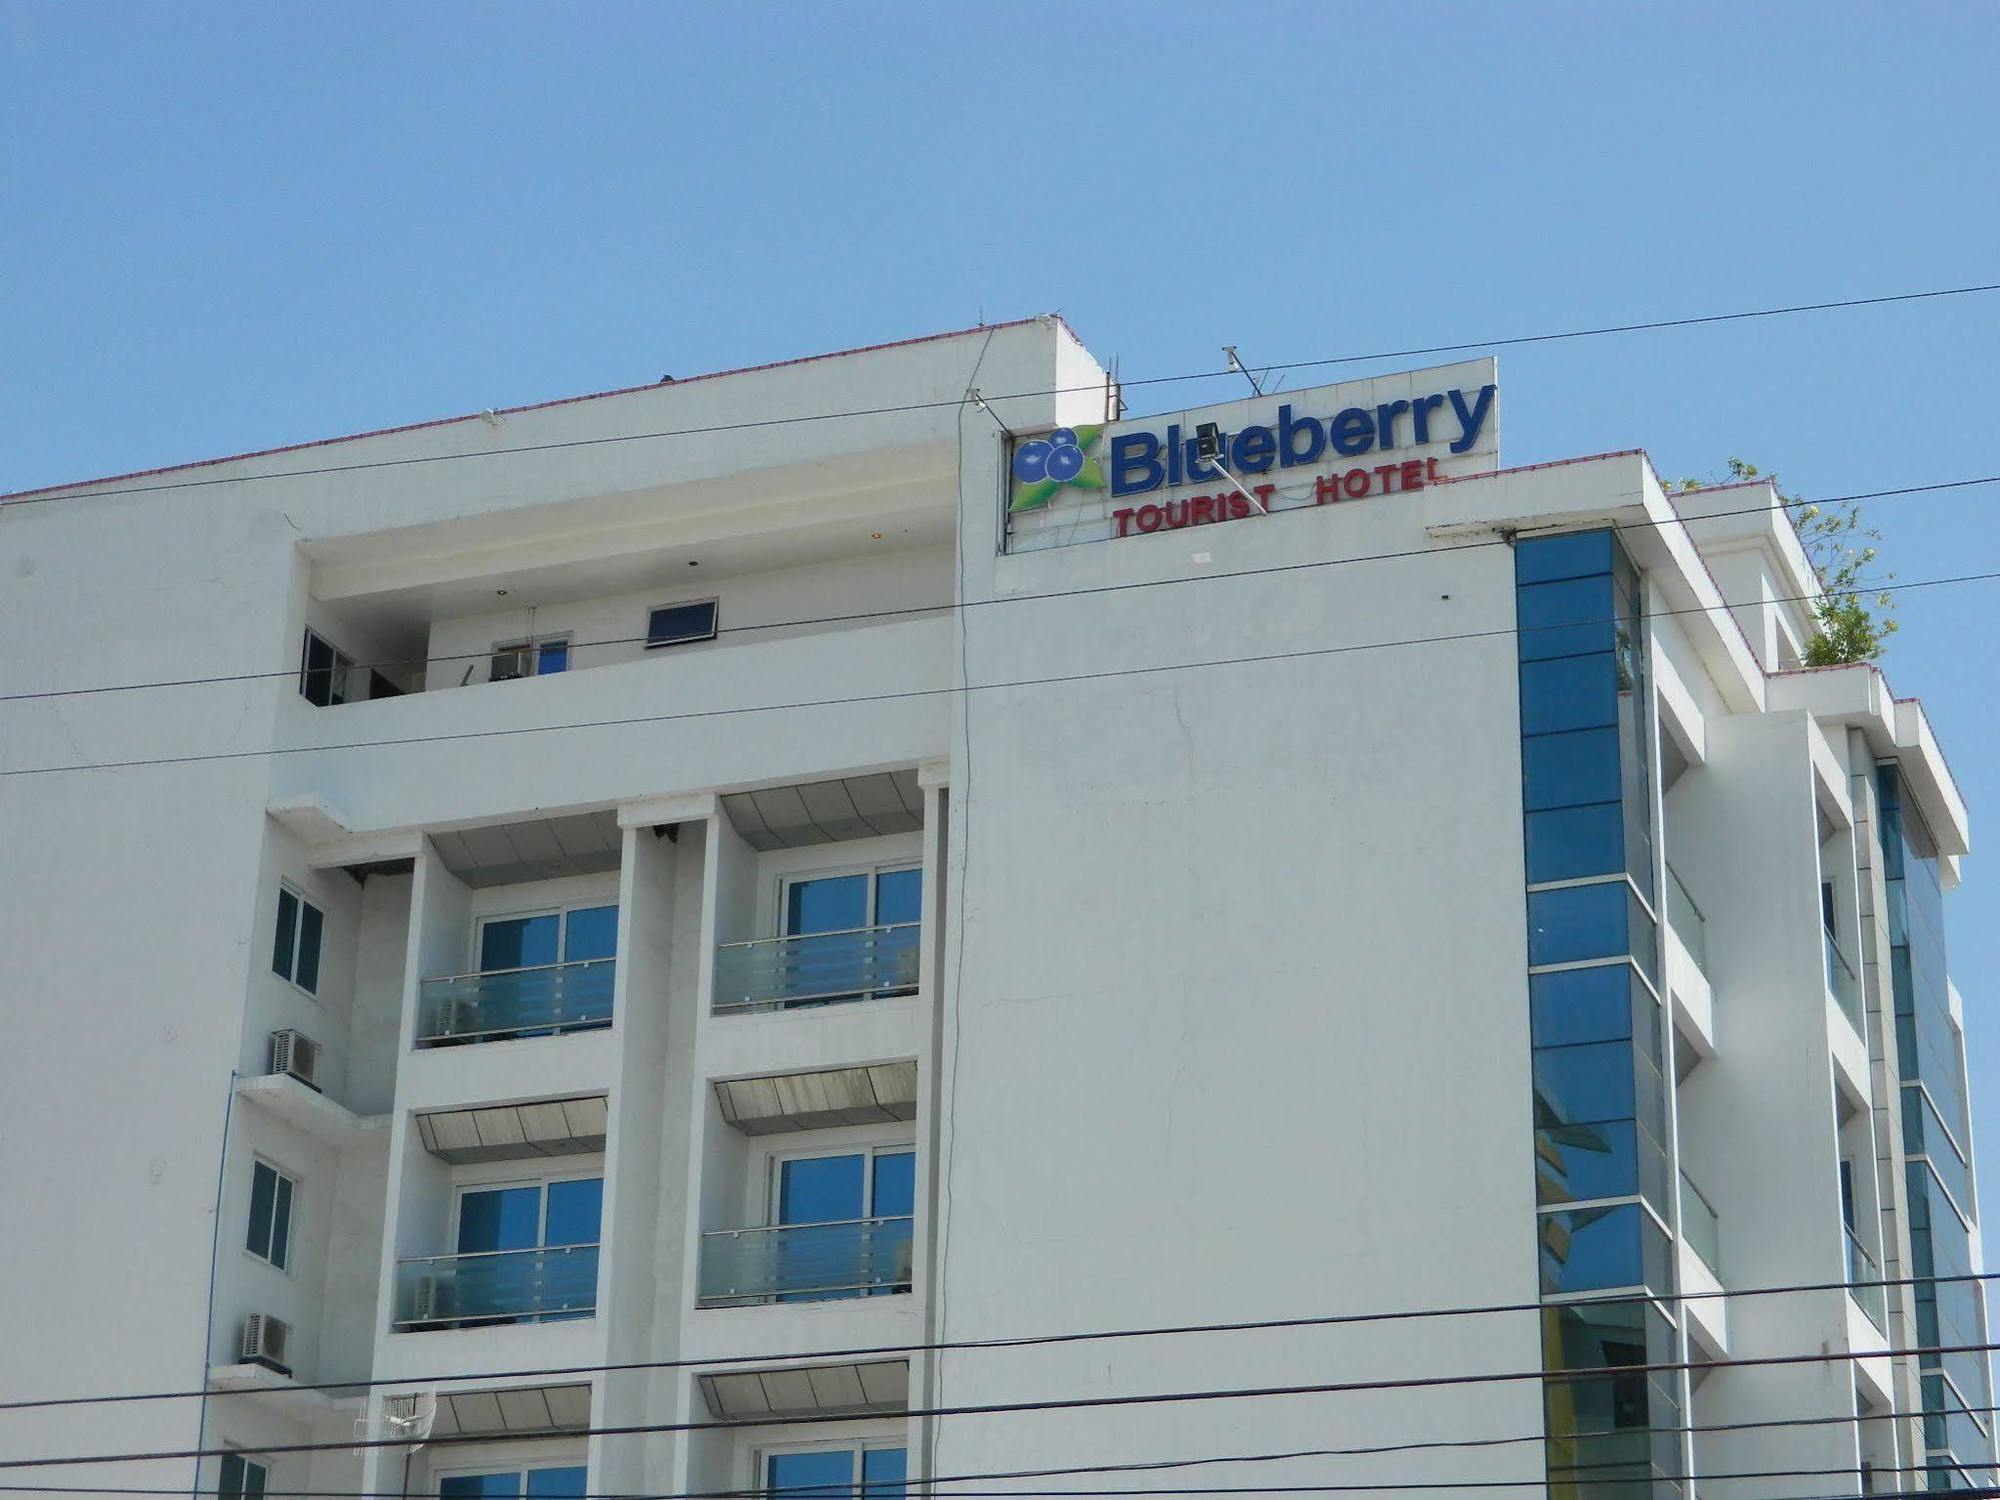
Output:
[[1567, 843], [518, 942], [1578, 922], [1572, 555], [1590, 1249], [316, 672], [826, 1474], [590, 933], [674, 623], [820, 1189], [1568, 770], [576, 1210], [288, 924], [1571, 692], [480, 1486], [883, 1473], [1586, 1161], [552, 657], [899, 896], [499, 1219], [1565, 619], [836, 903], [311, 921], [254, 1477], [1582, 1085], [564, 1482], [895, 1184], [263, 1191], [1581, 1005], [281, 1221]]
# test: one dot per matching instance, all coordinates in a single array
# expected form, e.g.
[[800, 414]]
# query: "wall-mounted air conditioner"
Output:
[[267, 1342], [296, 1055]]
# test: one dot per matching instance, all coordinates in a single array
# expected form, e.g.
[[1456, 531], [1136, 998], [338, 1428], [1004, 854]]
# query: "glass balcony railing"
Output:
[[1686, 920], [1841, 982], [499, 1286], [1864, 1283], [819, 968], [1700, 1225], [805, 1262], [505, 1003]]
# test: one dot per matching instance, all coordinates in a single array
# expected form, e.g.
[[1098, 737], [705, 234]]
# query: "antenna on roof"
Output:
[[1229, 352]]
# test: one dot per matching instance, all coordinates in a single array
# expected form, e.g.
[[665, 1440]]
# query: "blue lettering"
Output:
[[1469, 422], [1289, 452], [1385, 421], [1352, 432], [1135, 463], [1420, 418], [1197, 471], [1253, 450], [1173, 455]]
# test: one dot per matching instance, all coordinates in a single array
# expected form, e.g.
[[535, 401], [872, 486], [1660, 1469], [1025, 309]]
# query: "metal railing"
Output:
[[860, 963], [501, 1003], [496, 1286], [1701, 1226], [1840, 980], [1686, 920], [805, 1262], [1864, 1283]]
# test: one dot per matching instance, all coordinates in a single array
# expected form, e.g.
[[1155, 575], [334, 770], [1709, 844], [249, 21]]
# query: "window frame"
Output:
[[304, 903], [290, 1183], [561, 911], [855, 1448], [874, 870], [519, 646], [714, 604], [339, 674], [775, 1172], [243, 1491], [541, 1184], [520, 1471]]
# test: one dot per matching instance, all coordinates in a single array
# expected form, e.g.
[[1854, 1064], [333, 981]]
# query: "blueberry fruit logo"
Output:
[[1044, 465]]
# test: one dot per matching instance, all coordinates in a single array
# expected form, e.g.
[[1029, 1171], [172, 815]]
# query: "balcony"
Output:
[[1841, 983], [497, 1286], [546, 1000], [1685, 918], [1701, 1226], [1864, 1282], [821, 968], [805, 1262]]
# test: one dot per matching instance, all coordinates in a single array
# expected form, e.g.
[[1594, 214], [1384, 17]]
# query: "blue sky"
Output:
[[229, 226]]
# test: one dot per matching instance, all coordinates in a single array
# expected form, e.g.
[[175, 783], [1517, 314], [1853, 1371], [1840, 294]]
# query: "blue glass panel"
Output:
[[819, 1475], [591, 932], [833, 904], [311, 923], [263, 1191], [1571, 692], [1581, 1005], [575, 1212], [895, 1183], [553, 657], [518, 942], [1578, 922], [1565, 619], [1575, 554], [499, 1219], [1567, 843], [1591, 1249], [899, 897], [883, 1473], [1586, 1161], [1568, 770], [288, 920], [1582, 1085], [480, 1486], [821, 1189], [563, 1483], [281, 1222]]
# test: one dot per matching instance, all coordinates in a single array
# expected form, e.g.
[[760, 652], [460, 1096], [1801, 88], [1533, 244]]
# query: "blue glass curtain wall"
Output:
[[1600, 1101]]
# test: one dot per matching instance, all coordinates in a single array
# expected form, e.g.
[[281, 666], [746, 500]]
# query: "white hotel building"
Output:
[[661, 910]]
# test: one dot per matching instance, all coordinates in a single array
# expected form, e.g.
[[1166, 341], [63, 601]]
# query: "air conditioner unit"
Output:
[[296, 1055], [266, 1341], [508, 665]]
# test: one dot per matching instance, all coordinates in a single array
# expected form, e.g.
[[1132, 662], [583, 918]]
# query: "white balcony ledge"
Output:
[[308, 1111]]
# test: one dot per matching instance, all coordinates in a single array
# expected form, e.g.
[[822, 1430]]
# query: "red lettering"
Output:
[[1431, 475], [1413, 475], [1123, 518], [1264, 494], [1148, 518], [1204, 509], [1388, 472], [1170, 507], [1238, 507], [1326, 489], [1355, 482]]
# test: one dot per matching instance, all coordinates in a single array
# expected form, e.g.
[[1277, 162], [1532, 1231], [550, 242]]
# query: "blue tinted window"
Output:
[[270, 1228], [1591, 1249], [836, 903], [823, 1475], [673, 624], [1582, 1085], [480, 1486], [499, 1219], [241, 1478], [552, 1483], [1586, 1161], [1578, 922], [883, 1473], [1568, 770], [591, 932], [895, 1183], [821, 1189], [1572, 555], [1565, 619], [1567, 843], [312, 922], [1571, 692], [553, 657], [287, 935], [518, 942], [1581, 1005], [899, 897], [575, 1209]]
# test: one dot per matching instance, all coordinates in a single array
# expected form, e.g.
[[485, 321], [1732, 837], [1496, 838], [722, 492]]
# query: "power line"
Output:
[[910, 693], [1084, 591], [1073, 1403], [1326, 362]]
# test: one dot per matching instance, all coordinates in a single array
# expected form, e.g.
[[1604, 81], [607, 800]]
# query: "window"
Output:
[[847, 1188], [864, 926], [569, 1479], [270, 1236], [678, 624], [295, 949], [530, 1216], [531, 658], [551, 1228], [241, 1478], [324, 671], [836, 1473]]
